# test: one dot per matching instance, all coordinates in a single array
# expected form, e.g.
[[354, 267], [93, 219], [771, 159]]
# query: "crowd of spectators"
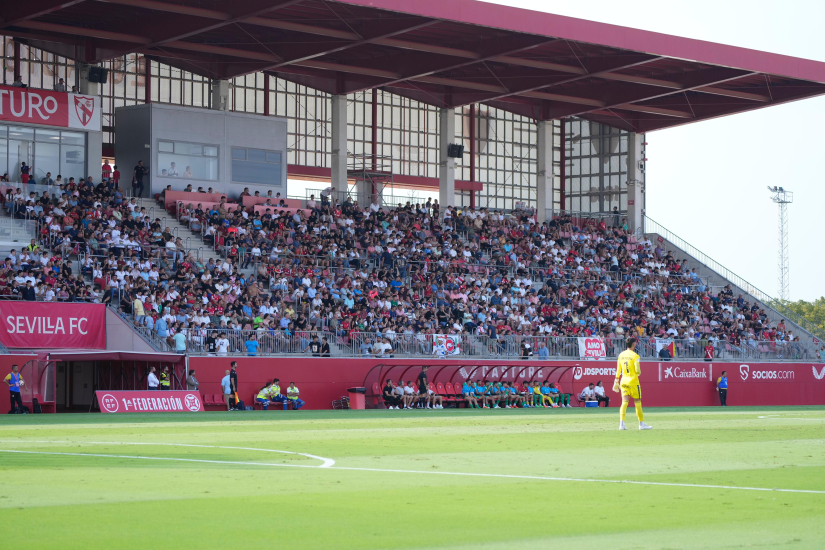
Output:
[[383, 281]]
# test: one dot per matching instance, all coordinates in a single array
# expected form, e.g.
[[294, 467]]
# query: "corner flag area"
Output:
[[416, 479]]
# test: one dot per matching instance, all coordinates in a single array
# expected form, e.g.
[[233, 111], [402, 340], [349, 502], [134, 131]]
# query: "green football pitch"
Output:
[[702, 478]]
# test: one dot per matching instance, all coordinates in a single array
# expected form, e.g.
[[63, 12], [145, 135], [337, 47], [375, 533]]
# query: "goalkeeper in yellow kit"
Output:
[[628, 370]]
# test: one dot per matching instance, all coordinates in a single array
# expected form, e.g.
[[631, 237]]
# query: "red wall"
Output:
[[685, 384], [6, 361]]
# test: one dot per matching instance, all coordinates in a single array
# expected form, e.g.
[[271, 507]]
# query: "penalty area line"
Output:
[[461, 474]]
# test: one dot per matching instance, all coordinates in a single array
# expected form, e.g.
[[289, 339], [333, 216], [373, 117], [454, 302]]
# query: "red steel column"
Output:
[[472, 154]]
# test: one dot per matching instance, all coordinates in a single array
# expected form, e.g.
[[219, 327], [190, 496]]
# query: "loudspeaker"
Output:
[[455, 151], [98, 74]]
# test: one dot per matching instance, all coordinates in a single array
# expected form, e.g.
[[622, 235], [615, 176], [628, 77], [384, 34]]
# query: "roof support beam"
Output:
[[423, 68], [388, 29], [82, 31], [616, 65], [710, 77], [677, 86], [16, 12], [171, 8], [176, 29]]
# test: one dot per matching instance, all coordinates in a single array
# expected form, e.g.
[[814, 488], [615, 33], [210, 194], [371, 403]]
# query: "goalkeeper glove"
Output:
[[616, 385]]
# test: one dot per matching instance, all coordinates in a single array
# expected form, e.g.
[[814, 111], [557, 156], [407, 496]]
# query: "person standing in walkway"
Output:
[[137, 179], [152, 380], [15, 382], [165, 379], [722, 388], [233, 380], [226, 386], [192, 383]]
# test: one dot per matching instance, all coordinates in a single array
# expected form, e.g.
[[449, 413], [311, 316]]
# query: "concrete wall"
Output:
[[147, 124], [133, 142], [121, 337]]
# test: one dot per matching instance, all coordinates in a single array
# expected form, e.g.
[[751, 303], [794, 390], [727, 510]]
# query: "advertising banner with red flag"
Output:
[[52, 325], [149, 401], [25, 105]]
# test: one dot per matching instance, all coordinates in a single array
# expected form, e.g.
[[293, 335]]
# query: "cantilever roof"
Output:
[[442, 52]]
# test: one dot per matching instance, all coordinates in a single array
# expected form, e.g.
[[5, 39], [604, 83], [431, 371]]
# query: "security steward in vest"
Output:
[[722, 388], [14, 381], [275, 395], [263, 396], [165, 379]]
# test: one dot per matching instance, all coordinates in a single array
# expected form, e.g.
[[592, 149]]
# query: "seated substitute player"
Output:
[[516, 397], [434, 401], [470, 395], [388, 394], [481, 394], [628, 370]]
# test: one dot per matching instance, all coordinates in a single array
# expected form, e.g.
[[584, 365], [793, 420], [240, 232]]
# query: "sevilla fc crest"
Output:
[[85, 108]]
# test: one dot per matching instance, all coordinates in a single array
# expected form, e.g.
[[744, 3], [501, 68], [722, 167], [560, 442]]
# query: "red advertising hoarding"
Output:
[[685, 384], [27, 106], [39, 325], [149, 401]]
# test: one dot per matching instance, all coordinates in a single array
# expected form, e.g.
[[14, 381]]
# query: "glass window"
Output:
[[255, 155], [47, 136], [72, 138], [19, 151], [4, 154], [256, 166], [72, 161], [46, 159], [21, 132], [178, 159]]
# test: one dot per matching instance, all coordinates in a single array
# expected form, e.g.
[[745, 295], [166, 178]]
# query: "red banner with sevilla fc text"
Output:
[[149, 401], [53, 325], [30, 106]]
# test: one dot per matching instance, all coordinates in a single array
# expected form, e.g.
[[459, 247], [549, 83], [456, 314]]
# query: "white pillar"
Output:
[[446, 165], [94, 158], [544, 169], [339, 146], [635, 181], [220, 95]]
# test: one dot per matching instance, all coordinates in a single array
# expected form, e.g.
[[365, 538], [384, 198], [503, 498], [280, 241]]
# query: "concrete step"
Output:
[[182, 231]]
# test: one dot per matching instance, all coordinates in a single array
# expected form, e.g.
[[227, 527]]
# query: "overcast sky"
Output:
[[706, 182]]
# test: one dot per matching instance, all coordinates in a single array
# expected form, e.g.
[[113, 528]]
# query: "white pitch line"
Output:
[[327, 462], [465, 474], [163, 458]]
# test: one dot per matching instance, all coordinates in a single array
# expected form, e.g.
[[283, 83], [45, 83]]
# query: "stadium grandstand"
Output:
[[455, 184]]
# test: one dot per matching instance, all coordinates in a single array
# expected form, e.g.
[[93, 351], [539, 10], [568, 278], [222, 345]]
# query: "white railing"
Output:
[[651, 226]]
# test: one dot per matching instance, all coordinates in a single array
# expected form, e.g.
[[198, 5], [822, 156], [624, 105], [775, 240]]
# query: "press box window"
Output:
[[256, 166], [178, 159]]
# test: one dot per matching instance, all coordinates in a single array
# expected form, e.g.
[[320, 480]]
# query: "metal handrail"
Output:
[[651, 226]]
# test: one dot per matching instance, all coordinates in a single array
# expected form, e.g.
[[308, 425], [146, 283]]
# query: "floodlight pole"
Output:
[[783, 198]]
